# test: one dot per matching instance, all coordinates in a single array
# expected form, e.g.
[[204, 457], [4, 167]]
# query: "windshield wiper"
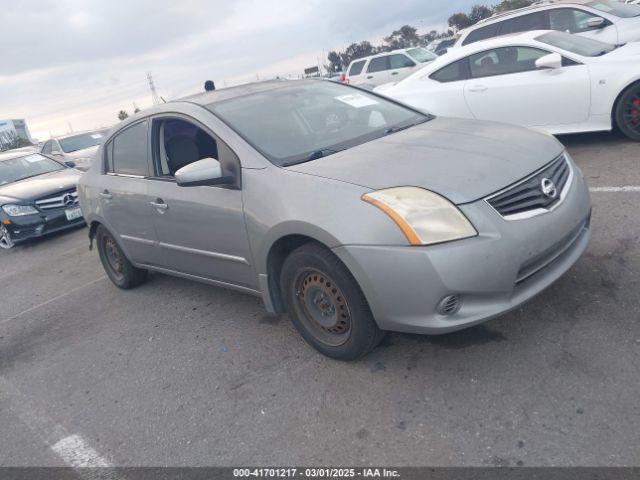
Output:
[[312, 156], [391, 130]]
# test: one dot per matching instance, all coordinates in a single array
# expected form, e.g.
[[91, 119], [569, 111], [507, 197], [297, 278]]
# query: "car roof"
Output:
[[382, 54], [216, 96], [502, 40], [542, 5], [11, 154], [73, 134]]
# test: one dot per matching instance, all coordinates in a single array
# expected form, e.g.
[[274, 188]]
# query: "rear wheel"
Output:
[[628, 112], [119, 269], [6, 241], [326, 304]]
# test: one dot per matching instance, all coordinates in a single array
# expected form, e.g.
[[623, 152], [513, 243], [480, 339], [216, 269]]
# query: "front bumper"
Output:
[[508, 263], [37, 225]]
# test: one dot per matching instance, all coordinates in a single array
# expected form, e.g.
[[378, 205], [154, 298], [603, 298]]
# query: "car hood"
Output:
[[463, 160], [40, 186]]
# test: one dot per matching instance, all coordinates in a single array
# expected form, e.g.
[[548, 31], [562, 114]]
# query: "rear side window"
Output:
[[452, 73], [401, 61], [378, 64], [356, 68], [525, 23], [483, 33], [127, 152]]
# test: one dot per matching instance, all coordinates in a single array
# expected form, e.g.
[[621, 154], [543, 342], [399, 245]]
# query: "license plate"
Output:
[[73, 213]]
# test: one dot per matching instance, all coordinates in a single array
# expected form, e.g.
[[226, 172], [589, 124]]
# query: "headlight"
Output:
[[18, 210], [423, 216]]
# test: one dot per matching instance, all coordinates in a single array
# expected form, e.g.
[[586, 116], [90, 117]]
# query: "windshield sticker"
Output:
[[34, 158], [96, 136], [357, 100]]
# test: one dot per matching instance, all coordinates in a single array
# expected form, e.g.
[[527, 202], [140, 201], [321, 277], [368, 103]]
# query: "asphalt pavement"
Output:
[[183, 374]]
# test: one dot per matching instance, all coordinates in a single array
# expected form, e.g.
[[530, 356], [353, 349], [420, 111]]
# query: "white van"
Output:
[[387, 67]]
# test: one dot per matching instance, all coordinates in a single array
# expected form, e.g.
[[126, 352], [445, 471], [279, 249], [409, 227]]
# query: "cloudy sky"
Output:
[[78, 62]]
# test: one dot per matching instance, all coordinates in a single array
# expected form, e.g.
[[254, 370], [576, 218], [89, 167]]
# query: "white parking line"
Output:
[[628, 188], [71, 448], [76, 453], [65, 294]]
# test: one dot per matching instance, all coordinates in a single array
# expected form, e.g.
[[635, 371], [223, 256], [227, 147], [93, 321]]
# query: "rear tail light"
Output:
[[343, 78]]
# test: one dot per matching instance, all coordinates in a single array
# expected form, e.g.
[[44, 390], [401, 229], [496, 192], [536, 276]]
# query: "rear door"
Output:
[[355, 74], [505, 86], [124, 198], [401, 66], [378, 71], [201, 230]]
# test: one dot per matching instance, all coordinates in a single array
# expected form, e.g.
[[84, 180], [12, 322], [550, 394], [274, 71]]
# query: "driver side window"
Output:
[[178, 143], [505, 60]]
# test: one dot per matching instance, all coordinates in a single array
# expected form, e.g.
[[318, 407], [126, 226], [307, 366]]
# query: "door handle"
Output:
[[478, 88], [106, 195], [370, 76], [394, 73], [159, 205]]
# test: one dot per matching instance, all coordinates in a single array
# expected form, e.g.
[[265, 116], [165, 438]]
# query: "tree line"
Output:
[[407, 36]]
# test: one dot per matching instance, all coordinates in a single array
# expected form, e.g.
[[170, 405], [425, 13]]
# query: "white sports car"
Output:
[[549, 80]]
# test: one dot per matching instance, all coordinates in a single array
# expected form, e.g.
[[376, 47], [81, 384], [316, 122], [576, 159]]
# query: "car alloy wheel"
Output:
[[323, 307], [631, 113], [5, 238]]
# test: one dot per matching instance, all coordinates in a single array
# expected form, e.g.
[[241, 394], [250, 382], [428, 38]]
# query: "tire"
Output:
[[6, 241], [118, 268], [326, 305], [628, 112]]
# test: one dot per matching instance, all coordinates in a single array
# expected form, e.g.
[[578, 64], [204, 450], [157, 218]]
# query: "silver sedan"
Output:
[[352, 213]]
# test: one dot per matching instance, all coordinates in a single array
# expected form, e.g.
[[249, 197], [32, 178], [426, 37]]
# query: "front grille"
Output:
[[528, 198], [66, 199]]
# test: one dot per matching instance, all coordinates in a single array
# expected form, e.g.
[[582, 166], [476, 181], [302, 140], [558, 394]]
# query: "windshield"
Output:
[[20, 168], [586, 47], [82, 141], [618, 9], [303, 121], [421, 55]]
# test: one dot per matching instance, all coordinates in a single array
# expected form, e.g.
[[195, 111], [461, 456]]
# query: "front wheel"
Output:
[[326, 305], [118, 268], [6, 242], [628, 112]]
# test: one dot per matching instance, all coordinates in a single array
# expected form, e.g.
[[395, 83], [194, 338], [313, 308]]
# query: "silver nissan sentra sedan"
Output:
[[352, 213]]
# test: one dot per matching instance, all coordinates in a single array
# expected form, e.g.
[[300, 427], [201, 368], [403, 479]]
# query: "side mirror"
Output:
[[70, 164], [201, 173], [551, 61], [595, 22]]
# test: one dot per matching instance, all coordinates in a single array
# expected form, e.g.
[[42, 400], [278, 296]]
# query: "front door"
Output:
[[505, 86], [201, 230]]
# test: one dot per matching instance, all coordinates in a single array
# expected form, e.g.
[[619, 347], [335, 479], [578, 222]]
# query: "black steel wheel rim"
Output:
[[113, 256], [322, 307]]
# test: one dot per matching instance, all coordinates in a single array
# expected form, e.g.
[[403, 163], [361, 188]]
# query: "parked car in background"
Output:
[[75, 149], [609, 21], [38, 195], [553, 81], [353, 213], [443, 46], [387, 67]]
